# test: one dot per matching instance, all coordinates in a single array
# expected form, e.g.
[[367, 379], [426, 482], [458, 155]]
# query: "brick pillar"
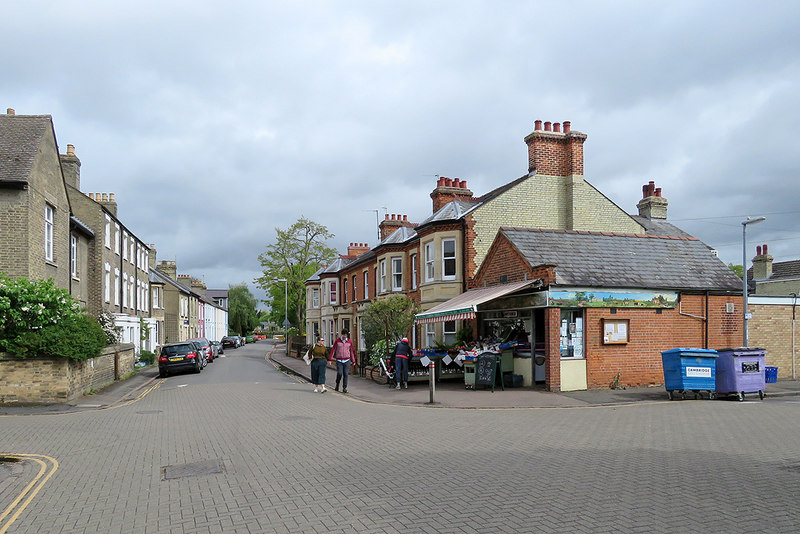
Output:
[[552, 340]]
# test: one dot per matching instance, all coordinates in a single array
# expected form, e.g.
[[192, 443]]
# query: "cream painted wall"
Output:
[[573, 375]]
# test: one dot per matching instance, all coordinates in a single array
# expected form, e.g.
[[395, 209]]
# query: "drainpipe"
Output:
[[706, 323], [794, 351]]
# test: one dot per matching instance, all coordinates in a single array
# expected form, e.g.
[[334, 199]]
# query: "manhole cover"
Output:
[[297, 418], [148, 412], [194, 469]]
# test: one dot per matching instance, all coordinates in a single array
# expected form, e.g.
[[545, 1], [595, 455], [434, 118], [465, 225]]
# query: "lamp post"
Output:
[[744, 274], [285, 310]]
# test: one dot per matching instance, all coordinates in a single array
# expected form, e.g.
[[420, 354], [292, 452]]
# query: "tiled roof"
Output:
[[659, 227], [604, 259], [20, 136], [783, 270]]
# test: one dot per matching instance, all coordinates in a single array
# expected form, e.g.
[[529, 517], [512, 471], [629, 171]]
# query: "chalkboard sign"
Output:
[[485, 369]]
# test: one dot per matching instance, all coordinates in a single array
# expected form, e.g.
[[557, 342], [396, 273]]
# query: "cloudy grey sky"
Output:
[[215, 122]]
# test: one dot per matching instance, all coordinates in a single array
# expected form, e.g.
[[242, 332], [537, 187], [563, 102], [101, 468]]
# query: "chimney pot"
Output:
[[448, 182], [464, 184], [10, 111], [537, 125], [405, 218], [393, 216], [758, 250], [557, 127], [456, 182], [70, 150], [548, 126], [765, 249], [658, 191], [111, 197], [105, 197], [440, 182], [567, 126], [387, 216]]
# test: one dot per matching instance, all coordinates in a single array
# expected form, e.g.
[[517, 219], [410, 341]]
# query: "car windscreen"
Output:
[[171, 350]]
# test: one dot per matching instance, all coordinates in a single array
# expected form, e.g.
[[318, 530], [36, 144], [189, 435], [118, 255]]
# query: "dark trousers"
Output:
[[401, 370], [342, 372], [318, 366]]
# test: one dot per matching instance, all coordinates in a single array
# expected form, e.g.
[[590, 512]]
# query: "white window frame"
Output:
[[382, 285], [132, 257], [449, 329], [344, 289], [116, 238], [107, 234], [124, 290], [447, 259], [49, 233], [155, 298], [397, 274], [73, 256], [413, 271], [366, 285], [429, 262], [315, 297], [430, 334], [124, 245], [107, 285], [333, 290], [355, 288], [116, 286]]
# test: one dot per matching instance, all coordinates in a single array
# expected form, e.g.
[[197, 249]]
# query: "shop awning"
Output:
[[465, 305]]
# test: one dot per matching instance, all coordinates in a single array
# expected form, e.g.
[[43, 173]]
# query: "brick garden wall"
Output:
[[48, 381]]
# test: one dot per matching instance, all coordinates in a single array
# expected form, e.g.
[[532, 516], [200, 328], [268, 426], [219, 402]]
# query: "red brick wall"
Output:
[[555, 154], [639, 361]]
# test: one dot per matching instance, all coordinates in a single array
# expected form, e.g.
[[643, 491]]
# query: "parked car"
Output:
[[218, 347], [205, 346], [181, 356], [230, 341], [242, 340], [251, 339]]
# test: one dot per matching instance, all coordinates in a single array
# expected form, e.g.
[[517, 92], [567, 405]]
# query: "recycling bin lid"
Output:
[[706, 353]]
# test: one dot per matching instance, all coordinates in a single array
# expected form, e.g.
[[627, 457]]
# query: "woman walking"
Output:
[[319, 362]]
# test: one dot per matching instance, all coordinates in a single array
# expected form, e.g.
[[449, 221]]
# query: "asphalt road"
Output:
[[241, 447]]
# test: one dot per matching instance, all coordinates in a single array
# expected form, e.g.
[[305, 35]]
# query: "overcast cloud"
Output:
[[214, 122]]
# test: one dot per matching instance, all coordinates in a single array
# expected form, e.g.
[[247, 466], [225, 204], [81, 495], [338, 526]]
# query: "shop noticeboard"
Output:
[[616, 331], [485, 369]]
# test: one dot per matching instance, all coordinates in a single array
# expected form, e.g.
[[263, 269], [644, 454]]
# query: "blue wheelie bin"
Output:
[[690, 371]]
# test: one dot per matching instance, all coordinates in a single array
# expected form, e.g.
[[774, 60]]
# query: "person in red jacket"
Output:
[[345, 356]]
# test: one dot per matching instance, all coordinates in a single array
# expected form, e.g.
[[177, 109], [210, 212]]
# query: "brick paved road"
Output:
[[295, 461]]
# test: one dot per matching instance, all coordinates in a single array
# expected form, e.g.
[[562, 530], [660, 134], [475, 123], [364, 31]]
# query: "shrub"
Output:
[[29, 305], [76, 338], [112, 331], [147, 357]]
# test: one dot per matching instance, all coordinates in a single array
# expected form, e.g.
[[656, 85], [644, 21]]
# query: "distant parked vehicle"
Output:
[[230, 342], [251, 339], [218, 347], [181, 356], [242, 340], [205, 345]]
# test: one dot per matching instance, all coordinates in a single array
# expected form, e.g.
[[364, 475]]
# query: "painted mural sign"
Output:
[[612, 299]]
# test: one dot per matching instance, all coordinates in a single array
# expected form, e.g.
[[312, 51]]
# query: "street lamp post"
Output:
[[285, 310], [745, 314]]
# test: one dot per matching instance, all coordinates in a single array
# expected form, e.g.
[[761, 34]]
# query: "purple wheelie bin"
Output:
[[741, 371]]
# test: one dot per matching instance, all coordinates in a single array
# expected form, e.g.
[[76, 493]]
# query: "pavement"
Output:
[[453, 394], [447, 393]]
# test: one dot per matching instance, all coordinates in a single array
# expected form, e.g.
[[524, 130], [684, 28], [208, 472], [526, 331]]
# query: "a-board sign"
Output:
[[485, 368]]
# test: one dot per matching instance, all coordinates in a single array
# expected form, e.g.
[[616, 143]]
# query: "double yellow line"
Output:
[[47, 466]]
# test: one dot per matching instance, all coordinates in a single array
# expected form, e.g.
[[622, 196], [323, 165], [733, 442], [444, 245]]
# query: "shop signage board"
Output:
[[588, 298], [485, 369]]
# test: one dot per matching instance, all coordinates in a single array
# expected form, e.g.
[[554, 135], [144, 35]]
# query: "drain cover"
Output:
[[194, 469]]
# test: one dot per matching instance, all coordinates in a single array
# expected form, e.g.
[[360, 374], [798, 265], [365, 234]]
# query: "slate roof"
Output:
[[783, 270], [659, 227], [20, 136], [604, 259], [399, 236]]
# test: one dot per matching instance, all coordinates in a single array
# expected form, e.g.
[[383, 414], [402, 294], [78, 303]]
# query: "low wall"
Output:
[[49, 381]]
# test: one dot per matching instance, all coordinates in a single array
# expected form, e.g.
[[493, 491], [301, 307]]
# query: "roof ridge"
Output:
[[597, 233]]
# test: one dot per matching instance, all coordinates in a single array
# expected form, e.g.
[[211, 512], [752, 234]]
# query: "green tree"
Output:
[[388, 320], [298, 252], [736, 268], [242, 313]]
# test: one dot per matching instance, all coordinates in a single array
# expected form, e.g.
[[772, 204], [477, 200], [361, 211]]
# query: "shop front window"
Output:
[[572, 334], [430, 335]]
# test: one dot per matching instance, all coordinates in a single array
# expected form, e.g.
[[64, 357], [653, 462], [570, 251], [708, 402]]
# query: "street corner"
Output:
[[22, 476]]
